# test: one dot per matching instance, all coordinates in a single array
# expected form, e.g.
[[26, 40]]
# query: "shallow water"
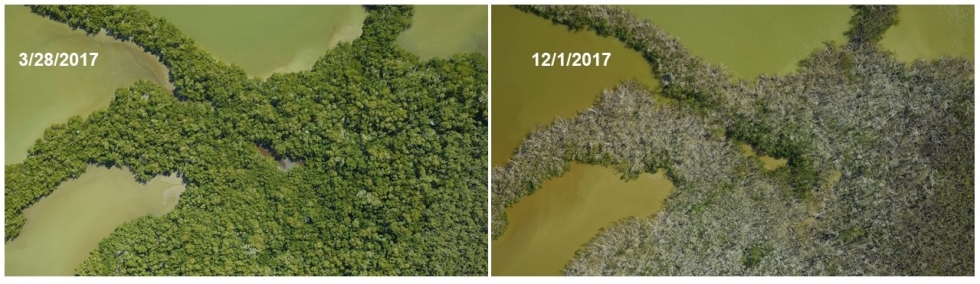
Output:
[[265, 39], [37, 97], [525, 96], [441, 31], [768, 163], [547, 227], [931, 31], [62, 228], [751, 40]]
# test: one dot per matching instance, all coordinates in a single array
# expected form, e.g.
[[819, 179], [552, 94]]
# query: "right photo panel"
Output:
[[732, 140]]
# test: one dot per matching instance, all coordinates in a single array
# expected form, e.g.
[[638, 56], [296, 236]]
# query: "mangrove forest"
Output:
[[382, 157]]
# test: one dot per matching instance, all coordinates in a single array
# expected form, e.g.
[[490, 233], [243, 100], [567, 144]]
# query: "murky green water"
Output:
[[266, 39], [441, 31], [62, 228], [37, 97], [751, 40], [931, 31], [768, 163], [547, 227], [525, 96], [277, 39]]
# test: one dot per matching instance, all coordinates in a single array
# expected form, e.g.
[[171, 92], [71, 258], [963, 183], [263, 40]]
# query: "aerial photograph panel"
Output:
[[732, 140], [246, 140]]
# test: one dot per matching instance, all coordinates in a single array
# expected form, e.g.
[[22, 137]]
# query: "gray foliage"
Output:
[[880, 180]]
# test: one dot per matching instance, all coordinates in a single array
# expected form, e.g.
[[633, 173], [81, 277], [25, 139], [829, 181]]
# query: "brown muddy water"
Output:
[[547, 227], [525, 96]]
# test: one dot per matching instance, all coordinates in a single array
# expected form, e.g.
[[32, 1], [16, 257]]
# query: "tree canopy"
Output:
[[394, 149], [870, 22]]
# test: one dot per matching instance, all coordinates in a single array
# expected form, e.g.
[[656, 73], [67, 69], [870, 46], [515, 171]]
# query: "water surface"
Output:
[[37, 97], [62, 228], [751, 40], [525, 96], [547, 227], [931, 31], [265, 39], [768, 163], [441, 31]]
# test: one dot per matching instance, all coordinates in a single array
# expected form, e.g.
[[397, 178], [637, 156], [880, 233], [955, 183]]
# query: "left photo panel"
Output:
[[246, 140]]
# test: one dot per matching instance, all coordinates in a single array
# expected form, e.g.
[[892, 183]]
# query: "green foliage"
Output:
[[394, 150], [870, 22], [752, 256], [851, 235]]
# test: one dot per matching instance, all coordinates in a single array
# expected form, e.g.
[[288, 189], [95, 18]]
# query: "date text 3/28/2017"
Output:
[[58, 59]]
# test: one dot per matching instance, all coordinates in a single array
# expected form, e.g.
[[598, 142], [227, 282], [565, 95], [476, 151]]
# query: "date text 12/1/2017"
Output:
[[571, 59]]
